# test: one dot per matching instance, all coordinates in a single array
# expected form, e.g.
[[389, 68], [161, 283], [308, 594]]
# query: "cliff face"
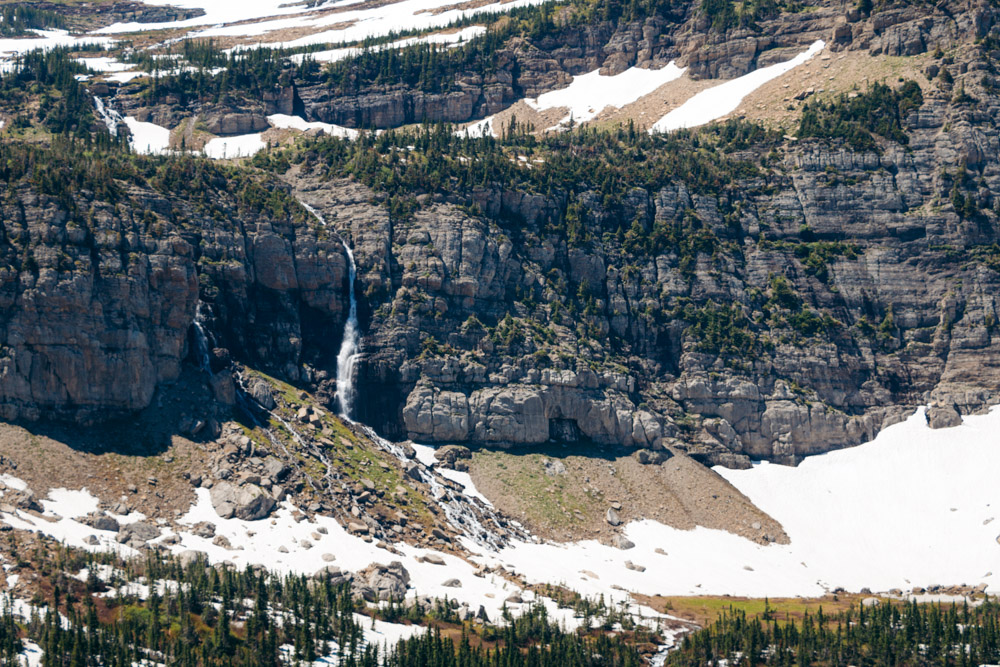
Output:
[[97, 298], [799, 308], [464, 341]]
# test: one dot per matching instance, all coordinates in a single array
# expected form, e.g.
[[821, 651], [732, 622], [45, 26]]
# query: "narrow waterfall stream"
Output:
[[201, 339], [348, 354], [470, 516], [349, 345]]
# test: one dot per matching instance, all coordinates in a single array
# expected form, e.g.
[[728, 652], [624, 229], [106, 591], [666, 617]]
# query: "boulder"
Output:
[[248, 502], [140, 531], [275, 469], [943, 416], [334, 573], [100, 521], [380, 582], [453, 456], [204, 529], [189, 557], [651, 457], [619, 541]]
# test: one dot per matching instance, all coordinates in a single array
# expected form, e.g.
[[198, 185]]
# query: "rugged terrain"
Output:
[[562, 326]]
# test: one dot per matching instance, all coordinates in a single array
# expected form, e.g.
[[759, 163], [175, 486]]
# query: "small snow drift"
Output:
[[716, 102], [282, 121], [591, 93], [148, 138], [244, 145]]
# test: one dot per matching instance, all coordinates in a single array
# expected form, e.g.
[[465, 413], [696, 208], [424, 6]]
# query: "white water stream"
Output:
[[348, 355], [470, 516]]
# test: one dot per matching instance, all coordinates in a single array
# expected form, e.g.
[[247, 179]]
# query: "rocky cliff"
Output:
[[98, 292], [770, 297], [848, 285]]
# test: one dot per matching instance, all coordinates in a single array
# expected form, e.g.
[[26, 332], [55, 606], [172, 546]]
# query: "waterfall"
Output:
[[201, 342], [348, 346], [348, 354], [110, 117]]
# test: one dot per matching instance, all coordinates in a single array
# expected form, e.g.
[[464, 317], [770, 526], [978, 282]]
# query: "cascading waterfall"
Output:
[[471, 517], [201, 342], [110, 117], [348, 354], [348, 346]]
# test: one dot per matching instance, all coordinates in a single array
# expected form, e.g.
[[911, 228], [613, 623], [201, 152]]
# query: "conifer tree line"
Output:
[[882, 635], [158, 611]]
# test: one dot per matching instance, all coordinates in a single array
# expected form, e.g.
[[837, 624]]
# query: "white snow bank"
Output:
[[591, 93], [105, 64], [296, 123], [725, 98], [244, 145], [62, 508], [47, 39], [217, 12], [148, 138], [451, 39], [916, 505], [360, 24], [279, 543], [911, 508], [482, 128]]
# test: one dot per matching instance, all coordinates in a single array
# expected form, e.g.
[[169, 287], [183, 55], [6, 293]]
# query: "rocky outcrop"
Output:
[[381, 583], [248, 502], [96, 305]]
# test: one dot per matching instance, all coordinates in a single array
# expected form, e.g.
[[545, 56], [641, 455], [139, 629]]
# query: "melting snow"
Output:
[[359, 24], [217, 12], [297, 123], [148, 138], [723, 99], [878, 516], [47, 39], [451, 39], [591, 93], [244, 145]]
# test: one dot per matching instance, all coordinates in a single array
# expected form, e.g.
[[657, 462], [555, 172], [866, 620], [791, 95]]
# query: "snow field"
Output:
[[591, 93], [913, 507], [148, 138], [244, 145], [283, 121], [350, 25], [450, 39], [723, 99]]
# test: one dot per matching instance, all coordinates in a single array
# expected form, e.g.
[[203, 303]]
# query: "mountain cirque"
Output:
[[441, 285]]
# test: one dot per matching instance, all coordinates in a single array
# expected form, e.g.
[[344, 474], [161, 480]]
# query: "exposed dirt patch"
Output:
[[142, 459], [564, 493], [704, 610], [828, 75]]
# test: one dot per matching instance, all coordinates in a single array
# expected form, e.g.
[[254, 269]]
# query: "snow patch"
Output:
[[450, 39], [591, 93], [283, 121], [148, 138], [244, 145], [878, 515], [716, 102]]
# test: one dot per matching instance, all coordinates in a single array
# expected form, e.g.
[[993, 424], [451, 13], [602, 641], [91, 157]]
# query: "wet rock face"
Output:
[[93, 315]]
